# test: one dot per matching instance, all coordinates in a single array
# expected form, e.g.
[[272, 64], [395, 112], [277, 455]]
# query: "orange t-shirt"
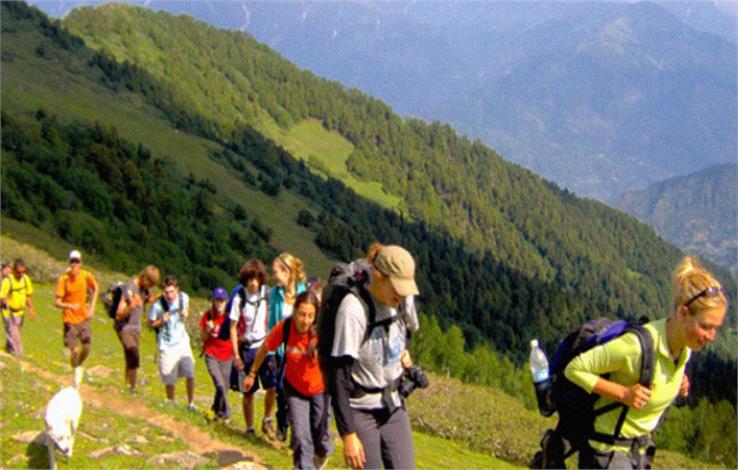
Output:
[[74, 291], [301, 371]]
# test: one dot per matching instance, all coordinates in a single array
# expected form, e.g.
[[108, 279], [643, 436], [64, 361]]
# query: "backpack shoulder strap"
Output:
[[241, 294], [286, 331], [164, 304], [366, 301], [648, 358]]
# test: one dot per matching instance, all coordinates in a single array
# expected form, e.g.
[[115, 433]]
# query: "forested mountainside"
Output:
[[477, 288], [582, 93], [442, 179], [697, 212]]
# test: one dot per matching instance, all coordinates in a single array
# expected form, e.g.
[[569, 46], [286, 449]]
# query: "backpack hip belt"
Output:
[[387, 401], [247, 343], [640, 442]]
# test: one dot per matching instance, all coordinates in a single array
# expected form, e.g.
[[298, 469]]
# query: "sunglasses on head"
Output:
[[711, 291]]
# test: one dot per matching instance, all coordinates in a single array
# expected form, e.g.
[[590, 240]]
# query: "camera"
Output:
[[412, 378]]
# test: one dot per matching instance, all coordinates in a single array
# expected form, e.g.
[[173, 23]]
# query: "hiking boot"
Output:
[[250, 432], [267, 428], [191, 407]]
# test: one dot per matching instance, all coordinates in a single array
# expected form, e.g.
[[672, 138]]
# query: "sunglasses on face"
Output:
[[74, 261], [711, 291]]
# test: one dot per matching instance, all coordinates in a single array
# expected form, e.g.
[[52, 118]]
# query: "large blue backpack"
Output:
[[573, 404]]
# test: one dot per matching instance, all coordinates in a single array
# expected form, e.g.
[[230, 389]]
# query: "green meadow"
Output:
[[28, 384]]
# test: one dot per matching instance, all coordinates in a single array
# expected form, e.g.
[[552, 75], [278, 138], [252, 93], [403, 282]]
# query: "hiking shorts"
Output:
[[176, 362], [77, 331], [266, 377], [130, 339]]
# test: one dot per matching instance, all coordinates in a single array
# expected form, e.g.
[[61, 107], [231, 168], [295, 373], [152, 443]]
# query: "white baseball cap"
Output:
[[74, 254]]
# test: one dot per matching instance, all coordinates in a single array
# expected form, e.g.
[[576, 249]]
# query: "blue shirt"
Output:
[[276, 308], [173, 332]]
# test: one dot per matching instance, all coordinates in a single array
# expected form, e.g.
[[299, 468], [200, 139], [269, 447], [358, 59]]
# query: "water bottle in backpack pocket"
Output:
[[542, 380]]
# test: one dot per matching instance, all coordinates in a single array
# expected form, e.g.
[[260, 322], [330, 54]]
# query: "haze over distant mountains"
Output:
[[696, 212], [599, 97]]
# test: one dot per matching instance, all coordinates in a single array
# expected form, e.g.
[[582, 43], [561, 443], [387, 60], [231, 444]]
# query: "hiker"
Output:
[[217, 351], [249, 309], [72, 298], [308, 401], [5, 270], [697, 312], [367, 366], [128, 319], [289, 276], [316, 287], [15, 296], [167, 316]]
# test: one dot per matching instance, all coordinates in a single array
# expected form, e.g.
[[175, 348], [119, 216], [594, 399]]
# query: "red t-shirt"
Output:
[[301, 371], [220, 349]]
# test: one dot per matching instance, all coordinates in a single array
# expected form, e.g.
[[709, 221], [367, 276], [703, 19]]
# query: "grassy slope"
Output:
[[44, 349], [328, 151], [65, 89]]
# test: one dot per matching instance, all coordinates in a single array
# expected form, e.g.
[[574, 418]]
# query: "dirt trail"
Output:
[[109, 398]]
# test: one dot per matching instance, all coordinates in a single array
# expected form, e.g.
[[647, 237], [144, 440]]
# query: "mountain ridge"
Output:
[[696, 212]]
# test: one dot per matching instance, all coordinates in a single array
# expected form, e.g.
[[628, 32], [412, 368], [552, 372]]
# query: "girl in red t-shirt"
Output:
[[218, 351], [308, 401]]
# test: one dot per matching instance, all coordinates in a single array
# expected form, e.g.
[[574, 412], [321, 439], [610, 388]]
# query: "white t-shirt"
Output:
[[376, 360], [255, 314]]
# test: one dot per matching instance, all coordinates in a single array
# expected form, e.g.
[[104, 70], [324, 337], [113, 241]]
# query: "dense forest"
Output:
[[116, 200], [446, 181], [128, 206]]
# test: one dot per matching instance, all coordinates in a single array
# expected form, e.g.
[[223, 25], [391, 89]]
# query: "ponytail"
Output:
[[689, 280]]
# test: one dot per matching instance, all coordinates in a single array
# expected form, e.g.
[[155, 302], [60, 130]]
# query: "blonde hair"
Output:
[[688, 281], [294, 266], [373, 251]]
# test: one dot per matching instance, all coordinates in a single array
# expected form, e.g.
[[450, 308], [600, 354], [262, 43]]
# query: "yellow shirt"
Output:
[[621, 358], [15, 292]]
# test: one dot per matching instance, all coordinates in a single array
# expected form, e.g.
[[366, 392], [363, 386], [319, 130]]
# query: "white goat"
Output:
[[62, 418]]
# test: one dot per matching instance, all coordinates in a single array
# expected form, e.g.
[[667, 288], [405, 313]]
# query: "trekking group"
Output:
[[344, 346]]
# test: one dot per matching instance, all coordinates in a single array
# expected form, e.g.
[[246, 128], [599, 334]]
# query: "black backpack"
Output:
[[343, 279], [111, 298], [573, 404]]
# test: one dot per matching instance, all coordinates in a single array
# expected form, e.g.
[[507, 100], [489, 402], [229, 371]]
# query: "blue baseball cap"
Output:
[[220, 293]]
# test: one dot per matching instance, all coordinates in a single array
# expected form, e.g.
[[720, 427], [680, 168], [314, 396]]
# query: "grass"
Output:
[[24, 398], [102, 427], [327, 153], [494, 423]]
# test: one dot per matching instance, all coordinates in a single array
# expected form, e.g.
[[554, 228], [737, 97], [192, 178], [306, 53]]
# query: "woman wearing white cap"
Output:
[[370, 415]]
